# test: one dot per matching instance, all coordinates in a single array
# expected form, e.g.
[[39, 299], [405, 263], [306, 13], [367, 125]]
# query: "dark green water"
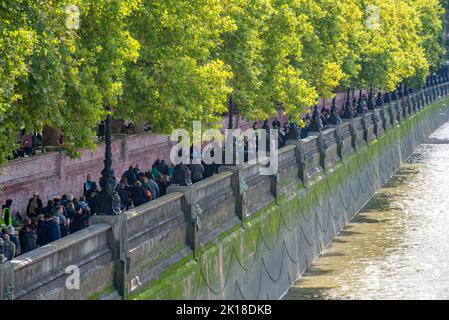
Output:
[[398, 245]]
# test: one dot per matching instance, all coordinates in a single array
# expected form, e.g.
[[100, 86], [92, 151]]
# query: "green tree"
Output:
[[431, 34], [393, 52], [325, 48], [177, 79], [261, 53], [58, 72], [17, 42], [171, 62]]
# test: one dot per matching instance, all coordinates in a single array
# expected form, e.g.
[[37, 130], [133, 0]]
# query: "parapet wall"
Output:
[[238, 234]]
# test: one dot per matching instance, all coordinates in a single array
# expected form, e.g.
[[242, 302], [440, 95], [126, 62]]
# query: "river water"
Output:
[[398, 245]]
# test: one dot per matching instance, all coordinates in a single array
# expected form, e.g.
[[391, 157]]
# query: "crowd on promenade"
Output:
[[29, 143], [43, 223], [66, 214]]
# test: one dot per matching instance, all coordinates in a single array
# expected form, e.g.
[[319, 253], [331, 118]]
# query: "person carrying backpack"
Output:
[[80, 219]]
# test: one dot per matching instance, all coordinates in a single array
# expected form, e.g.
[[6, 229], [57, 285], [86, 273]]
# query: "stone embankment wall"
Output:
[[238, 234]]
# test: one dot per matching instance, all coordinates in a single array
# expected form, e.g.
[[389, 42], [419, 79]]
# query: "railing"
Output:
[[126, 252]]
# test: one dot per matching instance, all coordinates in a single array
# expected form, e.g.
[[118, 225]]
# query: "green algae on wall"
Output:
[[261, 259]]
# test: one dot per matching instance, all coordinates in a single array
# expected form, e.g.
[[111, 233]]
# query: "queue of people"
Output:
[[61, 216], [42, 225]]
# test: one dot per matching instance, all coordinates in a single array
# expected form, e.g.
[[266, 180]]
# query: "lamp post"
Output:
[[360, 105], [400, 92], [316, 124], [433, 86], [370, 100], [334, 118], [348, 112], [108, 201]]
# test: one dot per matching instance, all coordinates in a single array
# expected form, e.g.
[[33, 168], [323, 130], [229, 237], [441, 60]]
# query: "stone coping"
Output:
[[57, 246], [212, 180], [153, 205]]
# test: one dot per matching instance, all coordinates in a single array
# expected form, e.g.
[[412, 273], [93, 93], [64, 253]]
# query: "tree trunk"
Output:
[[50, 136]]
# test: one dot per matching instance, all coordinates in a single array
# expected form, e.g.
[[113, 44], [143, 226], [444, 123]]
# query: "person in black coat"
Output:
[[71, 211], [123, 194], [41, 232], [80, 219], [49, 207], [163, 185], [53, 231], [138, 194], [28, 241], [130, 176], [34, 206], [163, 167], [92, 202], [89, 187], [26, 222]]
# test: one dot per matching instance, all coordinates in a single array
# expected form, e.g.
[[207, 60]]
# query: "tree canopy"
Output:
[[62, 62], [67, 63]]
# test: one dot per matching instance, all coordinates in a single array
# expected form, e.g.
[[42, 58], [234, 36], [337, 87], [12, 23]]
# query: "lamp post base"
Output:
[[107, 204]]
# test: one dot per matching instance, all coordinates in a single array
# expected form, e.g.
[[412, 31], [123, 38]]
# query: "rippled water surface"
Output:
[[398, 246]]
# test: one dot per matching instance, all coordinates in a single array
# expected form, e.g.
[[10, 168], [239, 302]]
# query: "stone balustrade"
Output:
[[118, 256]]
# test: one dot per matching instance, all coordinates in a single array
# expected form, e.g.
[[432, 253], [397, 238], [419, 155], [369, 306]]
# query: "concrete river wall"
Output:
[[238, 234]]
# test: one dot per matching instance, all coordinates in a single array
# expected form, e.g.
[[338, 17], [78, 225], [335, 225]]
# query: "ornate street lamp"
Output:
[[433, 84], [439, 91], [370, 100], [316, 125], [427, 91], [348, 112], [108, 201], [231, 113], [360, 106], [334, 118]]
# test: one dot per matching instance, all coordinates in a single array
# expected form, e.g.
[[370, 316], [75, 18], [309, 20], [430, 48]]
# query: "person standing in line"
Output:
[[6, 216], [63, 227], [154, 171], [81, 218], [138, 194], [9, 246], [197, 170], [49, 207], [42, 230], [29, 239], [34, 205], [53, 231], [123, 194], [89, 187], [12, 237], [130, 176], [153, 186]]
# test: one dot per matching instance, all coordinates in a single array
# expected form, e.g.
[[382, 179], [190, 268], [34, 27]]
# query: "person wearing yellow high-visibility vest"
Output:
[[6, 216]]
